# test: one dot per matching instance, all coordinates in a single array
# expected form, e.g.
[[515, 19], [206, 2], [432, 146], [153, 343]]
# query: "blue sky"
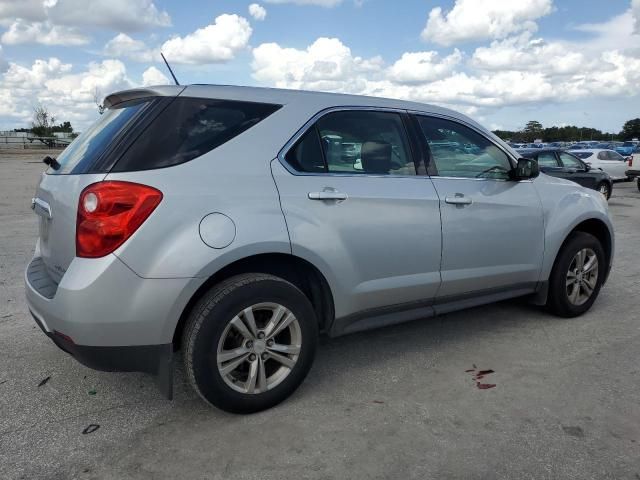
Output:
[[502, 62]]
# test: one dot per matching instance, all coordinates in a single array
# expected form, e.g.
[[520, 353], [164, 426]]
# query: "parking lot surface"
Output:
[[400, 402]]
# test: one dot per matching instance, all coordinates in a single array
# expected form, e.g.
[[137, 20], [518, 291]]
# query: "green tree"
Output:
[[43, 121], [631, 129], [532, 130]]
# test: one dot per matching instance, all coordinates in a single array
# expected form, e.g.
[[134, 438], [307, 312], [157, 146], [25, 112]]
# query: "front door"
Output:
[[492, 227], [357, 210]]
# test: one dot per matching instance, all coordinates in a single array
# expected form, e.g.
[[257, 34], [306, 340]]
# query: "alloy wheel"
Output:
[[259, 348], [582, 276]]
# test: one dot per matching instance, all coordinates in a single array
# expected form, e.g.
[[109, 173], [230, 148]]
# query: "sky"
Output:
[[503, 62]]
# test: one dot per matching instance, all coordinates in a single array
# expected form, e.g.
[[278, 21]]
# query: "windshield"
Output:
[[93, 142]]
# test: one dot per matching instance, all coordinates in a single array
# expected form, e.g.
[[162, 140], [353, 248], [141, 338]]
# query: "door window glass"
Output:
[[306, 155], [459, 151], [547, 159], [603, 156], [569, 161], [365, 142]]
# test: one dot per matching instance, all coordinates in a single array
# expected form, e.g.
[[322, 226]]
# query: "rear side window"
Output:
[[354, 142], [189, 128], [85, 151]]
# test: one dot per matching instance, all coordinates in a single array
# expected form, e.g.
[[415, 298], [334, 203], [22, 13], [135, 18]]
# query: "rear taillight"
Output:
[[108, 214], [630, 160]]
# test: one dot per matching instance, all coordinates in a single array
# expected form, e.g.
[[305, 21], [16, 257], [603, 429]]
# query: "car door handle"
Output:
[[458, 199], [327, 195]]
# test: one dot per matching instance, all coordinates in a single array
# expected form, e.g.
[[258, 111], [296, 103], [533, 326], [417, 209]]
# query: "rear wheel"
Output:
[[605, 189], [250, 342], [577, 275]]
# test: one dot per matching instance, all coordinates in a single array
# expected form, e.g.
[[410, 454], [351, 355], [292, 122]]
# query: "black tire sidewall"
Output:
[[210, 383], [558, 298]]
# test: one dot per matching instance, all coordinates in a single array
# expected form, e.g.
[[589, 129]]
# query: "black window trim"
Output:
[[431, 167], [311, 123]]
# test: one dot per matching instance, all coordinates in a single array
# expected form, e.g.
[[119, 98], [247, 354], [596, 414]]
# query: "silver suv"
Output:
[[237, 224]]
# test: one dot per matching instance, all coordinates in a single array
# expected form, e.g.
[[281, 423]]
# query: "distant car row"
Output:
[[625, 149]]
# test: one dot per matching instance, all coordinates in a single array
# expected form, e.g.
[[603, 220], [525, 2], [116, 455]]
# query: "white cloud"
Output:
[[327, 64], [484, 19], [122, 45], [44, 33], [119, 15], [215, 43], [420, 67], [258, 12], [635, 11], [319, 3], [11, 10], [153, 76]]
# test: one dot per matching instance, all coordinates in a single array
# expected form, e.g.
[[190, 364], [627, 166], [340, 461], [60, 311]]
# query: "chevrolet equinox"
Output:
[[237, 224]]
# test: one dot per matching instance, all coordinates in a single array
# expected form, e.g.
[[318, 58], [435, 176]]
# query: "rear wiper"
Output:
[[52, 162]]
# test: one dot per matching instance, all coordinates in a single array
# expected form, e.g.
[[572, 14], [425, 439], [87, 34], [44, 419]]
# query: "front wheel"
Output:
[[577, 275], [250, 342]]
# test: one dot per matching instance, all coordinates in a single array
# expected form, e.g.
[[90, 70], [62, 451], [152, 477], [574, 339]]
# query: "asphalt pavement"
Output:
[[401, 402]]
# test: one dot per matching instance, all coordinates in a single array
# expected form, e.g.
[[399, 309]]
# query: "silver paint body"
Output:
[[394, 240]]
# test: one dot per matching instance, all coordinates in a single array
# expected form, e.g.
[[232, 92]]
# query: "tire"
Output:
[[559, 301], [605, 189], [214, 327], [638, 183]]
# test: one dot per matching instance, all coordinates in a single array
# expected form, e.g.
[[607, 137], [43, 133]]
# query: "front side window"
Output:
[[189, 128], [459, 151], [569, 161]]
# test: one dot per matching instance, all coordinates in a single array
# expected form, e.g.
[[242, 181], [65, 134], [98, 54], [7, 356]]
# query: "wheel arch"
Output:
[[296, 270]]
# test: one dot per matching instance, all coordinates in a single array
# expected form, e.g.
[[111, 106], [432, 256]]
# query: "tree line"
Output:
[[44, 124], [534, 130]]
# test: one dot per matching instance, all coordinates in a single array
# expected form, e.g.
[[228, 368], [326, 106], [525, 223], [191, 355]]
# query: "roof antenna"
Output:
[[170, 71]]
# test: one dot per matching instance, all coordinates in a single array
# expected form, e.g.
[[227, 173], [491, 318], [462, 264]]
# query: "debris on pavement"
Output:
[[479, 375], [44, 381], [90, 428]]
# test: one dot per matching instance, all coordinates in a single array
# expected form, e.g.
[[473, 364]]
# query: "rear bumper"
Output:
[[107, 317], [102, 303], [633, 173]]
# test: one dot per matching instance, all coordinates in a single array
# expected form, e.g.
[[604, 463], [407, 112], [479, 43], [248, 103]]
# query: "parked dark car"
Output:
[[558, 163]]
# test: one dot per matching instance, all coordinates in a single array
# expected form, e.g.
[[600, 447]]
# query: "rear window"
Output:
[[583, 155], [189, 128], [86, 150]]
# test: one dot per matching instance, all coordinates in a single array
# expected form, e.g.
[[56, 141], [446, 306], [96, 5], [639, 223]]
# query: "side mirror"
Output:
[[526, 169]]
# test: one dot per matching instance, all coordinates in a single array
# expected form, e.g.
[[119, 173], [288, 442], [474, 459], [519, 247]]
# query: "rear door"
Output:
[[492, 227], [356, 208]]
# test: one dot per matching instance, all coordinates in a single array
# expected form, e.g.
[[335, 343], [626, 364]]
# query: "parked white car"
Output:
[[608, 160]]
